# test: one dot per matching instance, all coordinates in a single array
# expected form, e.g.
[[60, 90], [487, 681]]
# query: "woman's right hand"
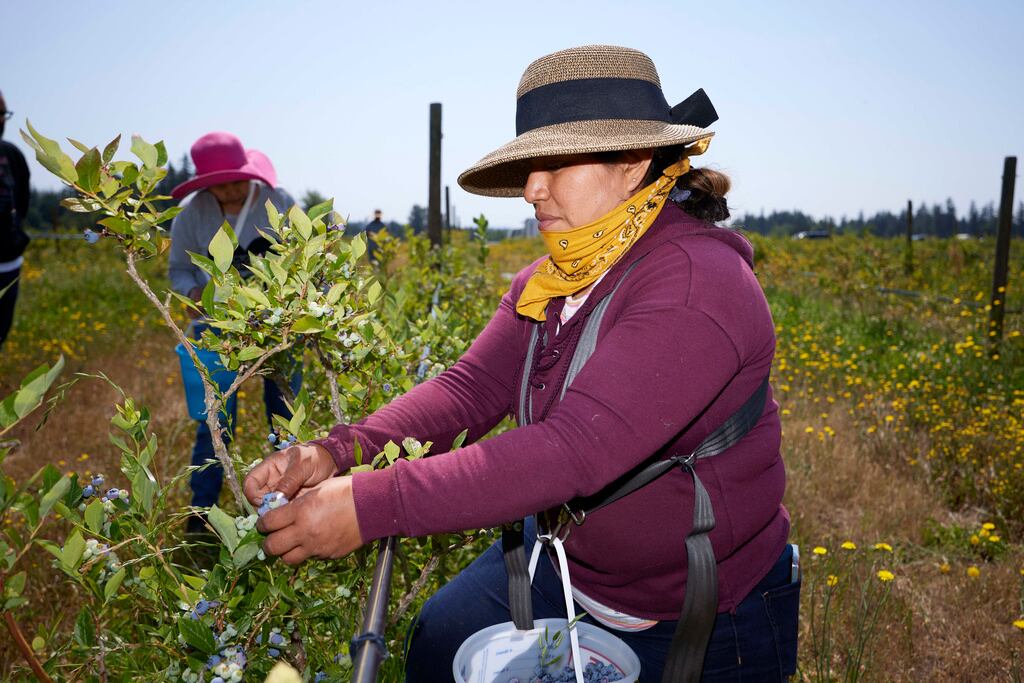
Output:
[[291, 471]]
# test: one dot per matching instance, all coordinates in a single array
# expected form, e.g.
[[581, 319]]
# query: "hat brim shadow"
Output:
[[206, 180], [503, 172]]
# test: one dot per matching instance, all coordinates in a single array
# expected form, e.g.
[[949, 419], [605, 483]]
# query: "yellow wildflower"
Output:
[[819, 550], [973, 572], [975, 540], [883, 546], [849, 545], [1019, 624], [832, 580], [944, 567], [988, 526], [993, 539], [885, 575]]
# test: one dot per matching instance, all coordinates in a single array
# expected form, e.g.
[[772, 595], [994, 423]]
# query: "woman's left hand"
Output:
[[319, 523]]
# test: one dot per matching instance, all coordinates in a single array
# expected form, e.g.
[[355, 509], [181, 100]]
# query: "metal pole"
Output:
[[1001, 269], [370, 647], [434, 199], [370, 652]]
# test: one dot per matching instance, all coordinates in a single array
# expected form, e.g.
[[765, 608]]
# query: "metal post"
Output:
[[369, 653], [1001, 269], [434, 199], [908, 256]]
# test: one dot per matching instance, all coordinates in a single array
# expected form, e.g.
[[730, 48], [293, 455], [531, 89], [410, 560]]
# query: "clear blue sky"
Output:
[[832, 108]]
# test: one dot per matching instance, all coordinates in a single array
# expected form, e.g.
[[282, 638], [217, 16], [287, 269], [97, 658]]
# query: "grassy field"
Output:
[[903, 438]]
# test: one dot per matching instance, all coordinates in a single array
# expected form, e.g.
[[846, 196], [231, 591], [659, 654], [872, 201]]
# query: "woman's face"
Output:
[[572, 191], [230, 194]]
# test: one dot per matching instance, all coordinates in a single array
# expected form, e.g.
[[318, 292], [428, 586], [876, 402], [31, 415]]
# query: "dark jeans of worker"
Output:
[[7, 302], [755, 643], [206, 483]]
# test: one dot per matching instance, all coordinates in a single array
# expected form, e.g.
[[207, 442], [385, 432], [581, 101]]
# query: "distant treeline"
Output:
[[46, 213], [937, 221]]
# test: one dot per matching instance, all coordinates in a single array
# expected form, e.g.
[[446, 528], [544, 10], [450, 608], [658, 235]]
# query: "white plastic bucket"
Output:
[[501, 653]]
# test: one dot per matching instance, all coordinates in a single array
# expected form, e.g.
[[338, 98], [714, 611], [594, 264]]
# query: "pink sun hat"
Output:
[[221, 158], [263, 165]]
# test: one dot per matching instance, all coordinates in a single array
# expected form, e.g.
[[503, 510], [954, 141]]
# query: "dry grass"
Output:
[[940, 626]]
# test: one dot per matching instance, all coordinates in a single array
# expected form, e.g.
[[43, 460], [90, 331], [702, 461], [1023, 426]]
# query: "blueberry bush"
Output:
[[152, 601]]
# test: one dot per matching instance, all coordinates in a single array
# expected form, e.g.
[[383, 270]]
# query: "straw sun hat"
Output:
[[596, 98]]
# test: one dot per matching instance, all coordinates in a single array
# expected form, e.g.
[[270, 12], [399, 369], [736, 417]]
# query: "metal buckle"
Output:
[[577, 517], [688, 461]]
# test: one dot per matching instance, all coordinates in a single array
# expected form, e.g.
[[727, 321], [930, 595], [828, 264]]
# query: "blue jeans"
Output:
[[757, 642], [207, 483]]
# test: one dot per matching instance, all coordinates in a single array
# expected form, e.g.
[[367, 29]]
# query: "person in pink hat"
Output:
[[232, 184]]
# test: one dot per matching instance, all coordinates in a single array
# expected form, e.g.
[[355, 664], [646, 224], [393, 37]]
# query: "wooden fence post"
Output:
[[908, 255], [1000, 271], [447, 215], [434, 199]]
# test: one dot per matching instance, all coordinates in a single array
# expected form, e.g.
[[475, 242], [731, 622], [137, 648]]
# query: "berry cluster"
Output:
[[201, 608], [271, 501], [275, 641], [281, 441], [594, 672]]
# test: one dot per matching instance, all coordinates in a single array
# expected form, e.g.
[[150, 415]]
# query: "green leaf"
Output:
[[80, 146], [54, 494], [459, 440], [300, 221], [307, 324], [298, 419], [80, 204], [249, 352], [256, 295], [161, 153], [224, 524], [391, 452], [144, 488], [14, 586], [85, 629], [113, 583], [50, 155], [94, 515], [197, 634], [320, 209], [88, 169], [357, 451], [221, 248], [71, 555], [373, 292], [116, 224], [34, 387], [111, 149], [145, 151], [38, 644], [11, 603], [358, 247], [245, 554]]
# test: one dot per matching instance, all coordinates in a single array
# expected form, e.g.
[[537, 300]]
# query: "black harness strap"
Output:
[[685, 659]]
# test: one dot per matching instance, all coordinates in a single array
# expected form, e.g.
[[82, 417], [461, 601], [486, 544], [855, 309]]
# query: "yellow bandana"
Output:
[[577, 258]]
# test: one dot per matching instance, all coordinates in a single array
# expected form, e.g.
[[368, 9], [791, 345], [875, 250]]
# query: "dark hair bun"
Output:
[[707, 190]]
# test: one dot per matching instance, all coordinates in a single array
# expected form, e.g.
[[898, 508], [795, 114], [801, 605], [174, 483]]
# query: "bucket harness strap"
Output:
[[685, 658]]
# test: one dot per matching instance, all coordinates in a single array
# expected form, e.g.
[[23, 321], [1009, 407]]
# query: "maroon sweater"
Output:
[[686, 340]]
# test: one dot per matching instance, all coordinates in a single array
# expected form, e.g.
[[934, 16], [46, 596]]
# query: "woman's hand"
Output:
[[320, 523], [293, 472]]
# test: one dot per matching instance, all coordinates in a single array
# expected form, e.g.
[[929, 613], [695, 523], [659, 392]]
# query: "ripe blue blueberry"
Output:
[[97, 481], [276, 639], [88, 491], [273, 652], [91, 236], [112, 494], [272, 437]]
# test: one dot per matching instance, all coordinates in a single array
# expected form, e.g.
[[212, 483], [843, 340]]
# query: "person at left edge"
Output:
[[13, 207], [232, 184]]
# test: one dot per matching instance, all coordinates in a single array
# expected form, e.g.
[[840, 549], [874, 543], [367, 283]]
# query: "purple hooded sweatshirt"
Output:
[[685, 341]]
